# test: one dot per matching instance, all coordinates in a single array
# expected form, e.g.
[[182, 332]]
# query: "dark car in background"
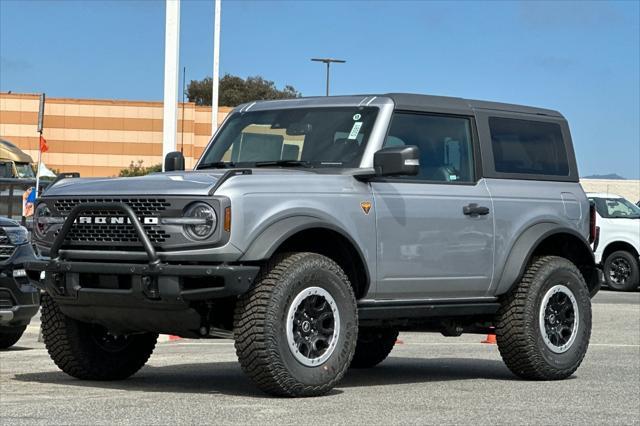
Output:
[[19, 299]]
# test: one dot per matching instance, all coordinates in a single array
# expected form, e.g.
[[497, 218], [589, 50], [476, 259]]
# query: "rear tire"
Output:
[[544, 324], [88, 351], [296, 329], [374, 346], [621, 271], [9, 336]]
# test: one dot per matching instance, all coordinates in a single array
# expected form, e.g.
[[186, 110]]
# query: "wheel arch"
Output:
[[618, 245], [308, 233], [549, 239]]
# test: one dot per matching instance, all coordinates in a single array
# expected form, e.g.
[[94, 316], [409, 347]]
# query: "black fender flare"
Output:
[[525, 246], [272, 237]]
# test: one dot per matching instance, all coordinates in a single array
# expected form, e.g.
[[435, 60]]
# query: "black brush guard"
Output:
[[152, 283]]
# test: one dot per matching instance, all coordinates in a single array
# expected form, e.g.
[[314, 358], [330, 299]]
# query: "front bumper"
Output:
[[19, 297], [118, 284], [162, 298]]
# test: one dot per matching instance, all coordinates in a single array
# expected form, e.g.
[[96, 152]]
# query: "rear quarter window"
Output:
[[528, 147]]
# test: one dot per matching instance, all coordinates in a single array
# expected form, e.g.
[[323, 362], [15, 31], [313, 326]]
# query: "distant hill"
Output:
[[611, 176]]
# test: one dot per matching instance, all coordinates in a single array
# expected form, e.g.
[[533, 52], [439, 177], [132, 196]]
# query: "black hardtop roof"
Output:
[[413, 101], [402, 101]]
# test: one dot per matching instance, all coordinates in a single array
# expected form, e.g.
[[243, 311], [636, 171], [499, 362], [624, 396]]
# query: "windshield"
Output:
[[24, 170], [613, 208], [302, 137]]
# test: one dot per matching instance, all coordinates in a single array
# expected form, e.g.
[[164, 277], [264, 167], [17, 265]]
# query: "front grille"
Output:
[[6, 301], [141, 206], [113, 235], [94, 233], [6, 251]]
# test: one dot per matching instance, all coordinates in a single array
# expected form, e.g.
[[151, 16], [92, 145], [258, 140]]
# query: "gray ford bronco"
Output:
[[313, 230]]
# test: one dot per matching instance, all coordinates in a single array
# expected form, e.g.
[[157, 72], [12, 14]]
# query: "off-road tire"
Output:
[[9, 336], [74, 347], [634, 278], [260, 323], [518, 331], [374, 346]]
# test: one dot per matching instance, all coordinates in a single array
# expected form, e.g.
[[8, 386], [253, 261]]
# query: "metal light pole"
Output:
[[328, 61], [216, 66], [171, 57]]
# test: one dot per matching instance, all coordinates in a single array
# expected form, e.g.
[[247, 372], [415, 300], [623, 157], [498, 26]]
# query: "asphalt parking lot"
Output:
[[428, 379]]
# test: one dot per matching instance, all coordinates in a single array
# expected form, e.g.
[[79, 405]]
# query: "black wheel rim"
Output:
[[559, 318], [619, 270], [312, 326]]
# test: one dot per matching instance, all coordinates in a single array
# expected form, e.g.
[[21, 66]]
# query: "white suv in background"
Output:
[[618, 246]]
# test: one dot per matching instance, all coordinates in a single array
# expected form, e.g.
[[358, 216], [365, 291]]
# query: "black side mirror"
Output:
[[174, 161], [397, 160]]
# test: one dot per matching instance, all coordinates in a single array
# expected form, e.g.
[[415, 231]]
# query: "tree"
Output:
[[137, 169], [235, 90]]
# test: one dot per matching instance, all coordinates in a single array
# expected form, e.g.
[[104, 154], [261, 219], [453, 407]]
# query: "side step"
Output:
[[393, 311]]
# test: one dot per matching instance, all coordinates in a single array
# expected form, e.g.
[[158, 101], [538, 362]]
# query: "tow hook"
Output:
[[58, 281], [150, 287]]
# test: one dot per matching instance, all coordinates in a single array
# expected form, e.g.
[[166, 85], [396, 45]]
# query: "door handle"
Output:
[[474, 210]]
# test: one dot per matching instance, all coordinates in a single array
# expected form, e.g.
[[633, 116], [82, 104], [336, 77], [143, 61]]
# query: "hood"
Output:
[[7, 223], [196, 183], [183, 183]]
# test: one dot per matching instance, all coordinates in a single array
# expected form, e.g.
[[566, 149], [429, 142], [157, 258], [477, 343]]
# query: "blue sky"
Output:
[[582, 58]]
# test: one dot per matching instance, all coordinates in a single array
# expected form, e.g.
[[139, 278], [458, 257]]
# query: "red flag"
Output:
[[43, 144]]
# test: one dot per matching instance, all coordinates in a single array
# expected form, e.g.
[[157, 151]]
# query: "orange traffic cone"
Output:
[[491, 339]]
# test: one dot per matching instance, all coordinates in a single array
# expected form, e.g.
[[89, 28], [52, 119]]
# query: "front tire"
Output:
[[621, 271], [88, 351], [544, 324], [296, 329], [9, 336], [374, 346]]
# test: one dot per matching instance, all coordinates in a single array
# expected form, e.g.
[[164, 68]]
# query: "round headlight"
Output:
[[206, 224], [41, 225]]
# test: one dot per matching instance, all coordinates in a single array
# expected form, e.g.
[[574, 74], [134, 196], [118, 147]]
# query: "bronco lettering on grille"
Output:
[[114, 220]]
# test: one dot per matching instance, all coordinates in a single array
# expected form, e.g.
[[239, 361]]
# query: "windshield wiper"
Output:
[[217, 165], [283, 163]]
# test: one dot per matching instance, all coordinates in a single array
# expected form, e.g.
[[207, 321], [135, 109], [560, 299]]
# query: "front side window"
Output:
[[446, 153], [25, 171], [612, 208], [528, 147], [309, 137]]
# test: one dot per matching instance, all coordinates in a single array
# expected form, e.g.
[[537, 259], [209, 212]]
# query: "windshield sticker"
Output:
[[355, 130], [357, 117]]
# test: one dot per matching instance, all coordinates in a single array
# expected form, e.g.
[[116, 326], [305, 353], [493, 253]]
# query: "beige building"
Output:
[[629, 189], [101, 137]]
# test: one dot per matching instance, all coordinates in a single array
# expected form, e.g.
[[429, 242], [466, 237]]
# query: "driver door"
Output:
[[427, 247]]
